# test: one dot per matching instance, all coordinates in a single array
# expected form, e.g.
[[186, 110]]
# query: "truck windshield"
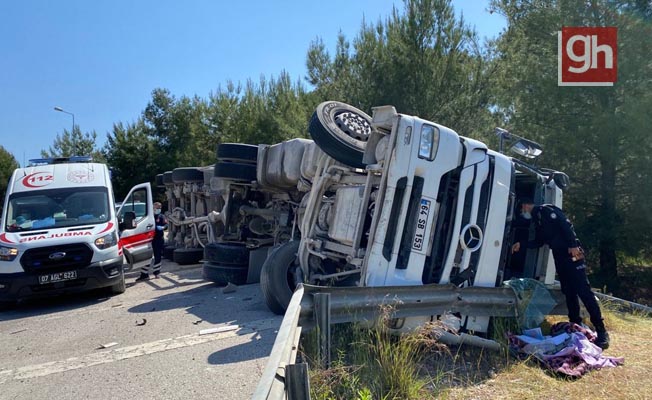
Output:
[[56, 208]]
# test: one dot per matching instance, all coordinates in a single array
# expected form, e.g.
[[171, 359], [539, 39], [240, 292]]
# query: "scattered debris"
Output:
[[199, 321], [107, 345], [229, 288], [18, 331], [141, 323], [219, 329], [116, 305]]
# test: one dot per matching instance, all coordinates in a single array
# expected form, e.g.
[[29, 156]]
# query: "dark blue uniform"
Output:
[[555, 230], [157, 246]]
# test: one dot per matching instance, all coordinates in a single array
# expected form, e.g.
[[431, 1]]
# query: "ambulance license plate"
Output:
[[57, 277], [422, 221]]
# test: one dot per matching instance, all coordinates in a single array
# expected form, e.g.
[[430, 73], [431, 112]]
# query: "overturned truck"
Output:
[[397, 200]]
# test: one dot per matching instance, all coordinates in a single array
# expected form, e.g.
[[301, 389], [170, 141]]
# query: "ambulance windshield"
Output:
[[57, 208]]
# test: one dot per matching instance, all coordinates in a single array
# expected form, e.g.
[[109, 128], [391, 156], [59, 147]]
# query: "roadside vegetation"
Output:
[[372, 364]]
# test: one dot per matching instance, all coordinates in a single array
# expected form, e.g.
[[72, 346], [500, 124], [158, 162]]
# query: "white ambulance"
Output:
[[60, 230]]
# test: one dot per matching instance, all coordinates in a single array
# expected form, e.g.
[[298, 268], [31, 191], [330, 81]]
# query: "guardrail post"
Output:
[[297, 382], [323, 316]]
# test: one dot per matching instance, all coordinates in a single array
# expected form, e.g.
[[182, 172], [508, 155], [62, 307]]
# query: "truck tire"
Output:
[[235, 152], [223, 274], [235, 171], [341, 131], [187, 256], [187, 174], [168, 252], [167, 178], [277, 280], [226, 253], [158, 180], [119, 287]]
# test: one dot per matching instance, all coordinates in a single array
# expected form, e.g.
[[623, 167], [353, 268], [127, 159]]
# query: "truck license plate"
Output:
[[57, 277], [422, 221]]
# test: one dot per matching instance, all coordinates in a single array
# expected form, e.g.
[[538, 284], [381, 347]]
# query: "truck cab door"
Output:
[[136, 224]]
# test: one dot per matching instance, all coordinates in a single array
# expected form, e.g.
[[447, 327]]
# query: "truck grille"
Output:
[[56, 258]]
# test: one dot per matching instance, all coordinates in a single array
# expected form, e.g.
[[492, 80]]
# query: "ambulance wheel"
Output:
[[278, 277], [236, 152], [119, 287], [341, 131]]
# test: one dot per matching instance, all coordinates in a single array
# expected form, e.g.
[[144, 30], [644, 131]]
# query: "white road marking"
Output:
[[124, 353]]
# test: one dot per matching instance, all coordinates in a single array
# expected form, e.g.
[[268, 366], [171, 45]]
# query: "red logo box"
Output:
[[587, 56]]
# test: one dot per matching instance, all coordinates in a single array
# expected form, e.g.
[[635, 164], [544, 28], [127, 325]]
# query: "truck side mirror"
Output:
[[561, 180], [129, 221]]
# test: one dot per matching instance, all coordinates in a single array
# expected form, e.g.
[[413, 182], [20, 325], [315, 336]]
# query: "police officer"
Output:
[[521, 231], [157, 245], [555, 230]]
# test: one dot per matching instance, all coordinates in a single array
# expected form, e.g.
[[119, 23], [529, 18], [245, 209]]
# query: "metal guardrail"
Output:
[[318, 306]]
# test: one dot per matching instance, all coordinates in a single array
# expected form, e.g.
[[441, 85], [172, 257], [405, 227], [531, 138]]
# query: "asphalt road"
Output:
[[176, 337]]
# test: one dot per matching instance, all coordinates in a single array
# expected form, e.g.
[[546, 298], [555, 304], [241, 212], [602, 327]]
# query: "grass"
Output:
[[372, 364]]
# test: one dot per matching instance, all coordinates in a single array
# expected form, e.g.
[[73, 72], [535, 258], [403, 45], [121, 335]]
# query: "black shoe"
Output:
[[156, 274], [602, 341], [142, 277]]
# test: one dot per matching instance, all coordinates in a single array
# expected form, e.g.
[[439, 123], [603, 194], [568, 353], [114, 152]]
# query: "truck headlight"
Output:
[[428, 142], [106, 241], [8, 253]]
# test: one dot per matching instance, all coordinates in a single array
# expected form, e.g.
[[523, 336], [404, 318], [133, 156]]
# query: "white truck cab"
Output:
[[397, 200], [60, 232]]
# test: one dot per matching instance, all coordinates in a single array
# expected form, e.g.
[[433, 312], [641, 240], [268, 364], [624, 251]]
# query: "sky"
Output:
[[100, 60]]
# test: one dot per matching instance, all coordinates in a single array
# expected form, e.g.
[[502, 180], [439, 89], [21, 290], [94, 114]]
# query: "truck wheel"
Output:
[[187, 256], [159, 180], [168, 252], [341, 131], [223, 274], [187, 174], [235, 152], [119, 287], [167, 178], [226, 253], [235, 171], [277, 277]]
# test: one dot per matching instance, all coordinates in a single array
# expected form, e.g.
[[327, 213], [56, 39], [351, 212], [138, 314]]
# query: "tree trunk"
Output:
[[607, 237]]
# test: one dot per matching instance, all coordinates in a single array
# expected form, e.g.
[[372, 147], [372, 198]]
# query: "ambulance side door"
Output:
[[136, 222]]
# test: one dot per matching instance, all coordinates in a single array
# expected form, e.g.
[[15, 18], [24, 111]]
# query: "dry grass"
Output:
[[631, 337], [373, 365]]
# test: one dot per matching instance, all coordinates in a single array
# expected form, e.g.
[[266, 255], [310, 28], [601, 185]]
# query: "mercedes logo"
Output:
[[471, 237], [57, 256]]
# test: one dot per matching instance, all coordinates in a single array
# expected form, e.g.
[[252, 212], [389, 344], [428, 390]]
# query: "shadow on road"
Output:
[[210, 305], [53, 304], [258, 347]]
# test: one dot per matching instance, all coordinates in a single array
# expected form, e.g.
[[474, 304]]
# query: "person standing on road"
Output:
[[157, 245], [555, 230]]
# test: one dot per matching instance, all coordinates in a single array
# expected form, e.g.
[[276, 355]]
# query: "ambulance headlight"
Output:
[[428, 142], [8, 253], [106, 241]]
